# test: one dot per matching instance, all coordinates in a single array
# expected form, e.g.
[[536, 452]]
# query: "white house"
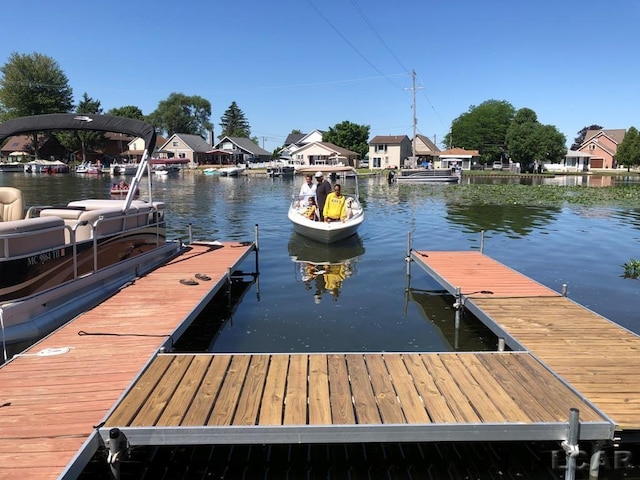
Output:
[[574, 161]]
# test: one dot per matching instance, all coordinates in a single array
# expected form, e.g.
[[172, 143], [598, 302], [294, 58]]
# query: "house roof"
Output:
[[429, 144], [616, 135], [294, 138], [388, 139], [245, 144], [330, 147], [459, 152]]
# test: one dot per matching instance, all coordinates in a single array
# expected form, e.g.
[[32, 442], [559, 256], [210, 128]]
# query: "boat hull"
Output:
[[32, 317], [322, 231]]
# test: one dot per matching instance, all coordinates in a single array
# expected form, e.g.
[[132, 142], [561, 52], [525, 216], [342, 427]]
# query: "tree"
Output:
[[85, 139], [628, 153], [128, 111], [349, 135], [579, 140], [529, 141], [482, 128], [33, 85], [180, 113], [234, 123]]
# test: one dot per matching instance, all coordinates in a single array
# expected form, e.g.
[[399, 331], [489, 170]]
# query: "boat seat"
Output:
[[113, 221], [31, 235], [11, 204]]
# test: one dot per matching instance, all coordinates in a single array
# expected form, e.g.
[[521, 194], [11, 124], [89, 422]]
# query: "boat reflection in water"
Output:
[[436, 306], [324, 267]]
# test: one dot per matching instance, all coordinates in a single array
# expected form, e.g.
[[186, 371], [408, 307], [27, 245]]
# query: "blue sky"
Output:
[[310, 64]]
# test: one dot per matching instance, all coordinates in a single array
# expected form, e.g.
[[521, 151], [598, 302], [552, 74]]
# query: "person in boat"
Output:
[[122, 185], [323, 189], [335, 207], [310, 211], [307, 191]]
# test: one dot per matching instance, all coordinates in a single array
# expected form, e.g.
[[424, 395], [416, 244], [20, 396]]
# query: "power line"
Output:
[[366, 20], [350, 44]]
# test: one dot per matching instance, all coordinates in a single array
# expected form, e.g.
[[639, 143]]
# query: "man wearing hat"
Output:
[[322, 190]]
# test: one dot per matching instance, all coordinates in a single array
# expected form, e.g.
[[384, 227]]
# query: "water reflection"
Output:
[[436, 307], [323, 268], [514, 220]]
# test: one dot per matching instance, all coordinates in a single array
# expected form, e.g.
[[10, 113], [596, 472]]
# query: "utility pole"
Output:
[[415, 118]]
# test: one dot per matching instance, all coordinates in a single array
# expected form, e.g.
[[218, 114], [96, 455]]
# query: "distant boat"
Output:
[[433, 175], [281, 171], [12, 167], [165, 170], [123, 168], [89, 168], [211, 171], [232, 171]]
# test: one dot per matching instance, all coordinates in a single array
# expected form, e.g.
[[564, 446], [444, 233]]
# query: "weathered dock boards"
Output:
[[600, 359], [355, 397], [49, 404]]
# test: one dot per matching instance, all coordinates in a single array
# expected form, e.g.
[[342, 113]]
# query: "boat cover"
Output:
[[74, 121]]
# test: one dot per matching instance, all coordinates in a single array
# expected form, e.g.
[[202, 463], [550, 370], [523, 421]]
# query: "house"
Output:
[[295, 141], [48, 147], [389, 151], [324, 153], [457, 157], [194, 148], [135, 148], [574, 161], [425, 149], [242, 150], [602, 145]]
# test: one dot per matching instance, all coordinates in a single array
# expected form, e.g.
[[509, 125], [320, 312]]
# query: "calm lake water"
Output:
[[372, 309]]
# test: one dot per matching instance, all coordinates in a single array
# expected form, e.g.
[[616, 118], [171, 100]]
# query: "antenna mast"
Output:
[[415, 119]]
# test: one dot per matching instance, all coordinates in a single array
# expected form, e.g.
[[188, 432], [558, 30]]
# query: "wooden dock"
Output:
[[344, 398], [55, 394], [598, 358]]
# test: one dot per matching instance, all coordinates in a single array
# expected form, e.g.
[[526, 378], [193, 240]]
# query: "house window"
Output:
[[175, 144], [182, 155], [381, 148], [376, 162]]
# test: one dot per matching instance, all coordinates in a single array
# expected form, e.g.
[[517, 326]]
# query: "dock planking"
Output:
[[351, 397], [597, 357], [50, 404]]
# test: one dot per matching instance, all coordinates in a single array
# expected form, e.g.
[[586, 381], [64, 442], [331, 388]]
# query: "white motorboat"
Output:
[[433, 175], [56, 263], [333, 231], [231, 171], [123, 168]]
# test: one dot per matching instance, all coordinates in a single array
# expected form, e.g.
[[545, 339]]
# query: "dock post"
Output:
[[408, 257], [116, 441], [570, 446], [501, 344], [482, 241], [564, 289], [190, 229]]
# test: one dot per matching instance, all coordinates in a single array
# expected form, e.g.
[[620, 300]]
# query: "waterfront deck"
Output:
[[55, 393], [598, 358]]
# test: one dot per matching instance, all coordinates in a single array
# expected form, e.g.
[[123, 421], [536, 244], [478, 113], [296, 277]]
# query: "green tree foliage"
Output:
[[33, 84], [579, 140], [349, 135], [483, 128], [83, 140], [529, 141], [628, 153], [128, 111], [180, 113], [234, 123]]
